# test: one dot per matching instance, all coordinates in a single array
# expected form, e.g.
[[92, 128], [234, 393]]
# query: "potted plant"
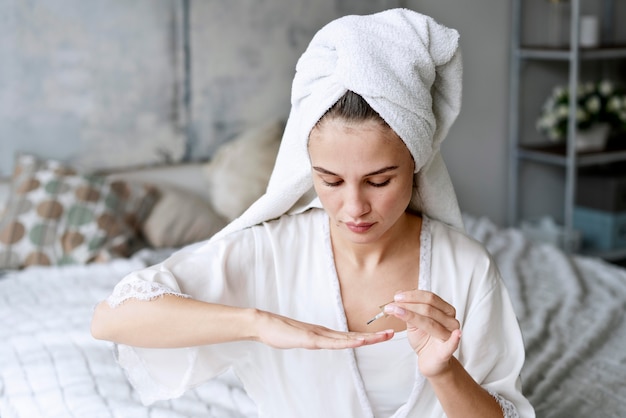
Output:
[[600, 110]]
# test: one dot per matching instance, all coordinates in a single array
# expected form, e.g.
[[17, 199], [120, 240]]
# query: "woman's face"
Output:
[[363, 175]]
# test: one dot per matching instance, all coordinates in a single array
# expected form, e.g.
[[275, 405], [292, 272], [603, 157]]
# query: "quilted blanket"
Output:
[[50, 366]]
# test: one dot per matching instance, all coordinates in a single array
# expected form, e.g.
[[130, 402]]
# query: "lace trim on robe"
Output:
[[425, 254], [139, 289], [508, 408]]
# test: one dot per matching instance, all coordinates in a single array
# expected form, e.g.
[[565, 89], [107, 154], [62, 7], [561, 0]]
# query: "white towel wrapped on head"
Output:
[[408, 69]]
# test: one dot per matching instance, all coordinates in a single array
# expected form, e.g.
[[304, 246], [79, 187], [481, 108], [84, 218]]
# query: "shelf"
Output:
[[557, 155], [524, 146], [564, 54]]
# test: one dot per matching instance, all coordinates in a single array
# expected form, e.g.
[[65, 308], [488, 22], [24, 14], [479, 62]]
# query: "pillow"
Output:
[[182, 215], [180, 218], [182, 176], [56, 216], [238, 173], [5, 187]]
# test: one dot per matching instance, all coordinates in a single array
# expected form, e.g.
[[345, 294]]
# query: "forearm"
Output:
[[461, 396], [171, 321]]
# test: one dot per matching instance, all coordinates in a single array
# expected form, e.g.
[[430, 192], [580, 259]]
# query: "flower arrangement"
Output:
[[597, 103]]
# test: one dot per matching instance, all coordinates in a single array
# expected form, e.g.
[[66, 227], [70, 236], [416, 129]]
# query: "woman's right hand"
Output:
[[281, 332], [433, 330]]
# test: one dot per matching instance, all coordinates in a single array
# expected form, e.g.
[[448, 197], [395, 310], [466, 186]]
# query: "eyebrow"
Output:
[[373, 173]]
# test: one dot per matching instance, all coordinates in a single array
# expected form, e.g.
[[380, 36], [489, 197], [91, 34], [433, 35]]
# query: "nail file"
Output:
[[380, 314]]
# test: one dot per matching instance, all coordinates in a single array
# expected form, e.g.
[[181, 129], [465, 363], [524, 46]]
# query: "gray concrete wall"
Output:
[[101, 83], [243, 60], [82, 81]]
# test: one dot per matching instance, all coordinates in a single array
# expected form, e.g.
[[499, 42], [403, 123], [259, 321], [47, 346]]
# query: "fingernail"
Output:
[[387, 331], [399, 297], [393, 309]]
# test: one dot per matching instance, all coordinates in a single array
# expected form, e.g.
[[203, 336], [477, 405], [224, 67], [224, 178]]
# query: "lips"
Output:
[[359, 228]]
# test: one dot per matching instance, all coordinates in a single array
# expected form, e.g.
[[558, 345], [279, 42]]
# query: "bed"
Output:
[[571, 308], [571, 311]]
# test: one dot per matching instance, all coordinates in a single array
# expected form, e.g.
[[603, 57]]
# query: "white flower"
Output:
[[593, 104], [614, 104], [606, 88], [559, 93], [546, 121], [561, 112]]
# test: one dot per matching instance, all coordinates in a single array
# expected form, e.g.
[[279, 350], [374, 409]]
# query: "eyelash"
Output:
[[338, 183]]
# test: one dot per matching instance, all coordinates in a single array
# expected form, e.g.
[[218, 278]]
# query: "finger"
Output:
[[450, 346], [427, 298], [338, 341], [378, 337], [406, 311], [429, 311], [439, 325]]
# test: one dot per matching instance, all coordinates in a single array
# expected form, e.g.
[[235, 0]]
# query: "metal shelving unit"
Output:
[[564, 156]]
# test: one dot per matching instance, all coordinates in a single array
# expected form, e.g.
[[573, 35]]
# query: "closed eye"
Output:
[[371, 183], [333, 184], [324, 172], [383, 184]]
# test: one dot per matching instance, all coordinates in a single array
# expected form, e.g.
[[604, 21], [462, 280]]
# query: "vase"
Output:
[[593, 139]]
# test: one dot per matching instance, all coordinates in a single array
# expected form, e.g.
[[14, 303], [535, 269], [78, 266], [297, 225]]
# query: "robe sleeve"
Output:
[[212, 272], [491, 348], [494, 353]]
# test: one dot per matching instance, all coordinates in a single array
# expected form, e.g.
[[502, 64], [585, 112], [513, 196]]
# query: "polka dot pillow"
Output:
[[55, 216]]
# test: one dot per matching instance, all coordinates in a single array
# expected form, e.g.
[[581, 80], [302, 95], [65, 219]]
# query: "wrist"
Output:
[[443, 373], [252, 320]]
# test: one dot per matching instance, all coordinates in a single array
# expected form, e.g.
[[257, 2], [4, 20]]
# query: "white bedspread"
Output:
[[572, 315], [50, 366]]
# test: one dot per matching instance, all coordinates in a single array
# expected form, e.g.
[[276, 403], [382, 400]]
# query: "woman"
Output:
[[287, 294]]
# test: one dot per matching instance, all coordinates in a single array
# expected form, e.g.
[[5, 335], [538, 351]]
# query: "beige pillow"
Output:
[[183, 176], [238, 173], [180, 218], [5, 188], [183, 214]]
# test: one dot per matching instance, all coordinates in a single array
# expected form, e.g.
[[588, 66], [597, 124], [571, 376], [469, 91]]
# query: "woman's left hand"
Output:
[[433, 331]]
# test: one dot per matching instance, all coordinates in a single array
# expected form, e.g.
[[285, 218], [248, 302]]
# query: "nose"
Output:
[[356, 202]]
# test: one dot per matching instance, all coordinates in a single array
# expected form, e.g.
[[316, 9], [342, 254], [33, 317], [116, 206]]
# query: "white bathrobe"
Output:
[[286, 266]]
